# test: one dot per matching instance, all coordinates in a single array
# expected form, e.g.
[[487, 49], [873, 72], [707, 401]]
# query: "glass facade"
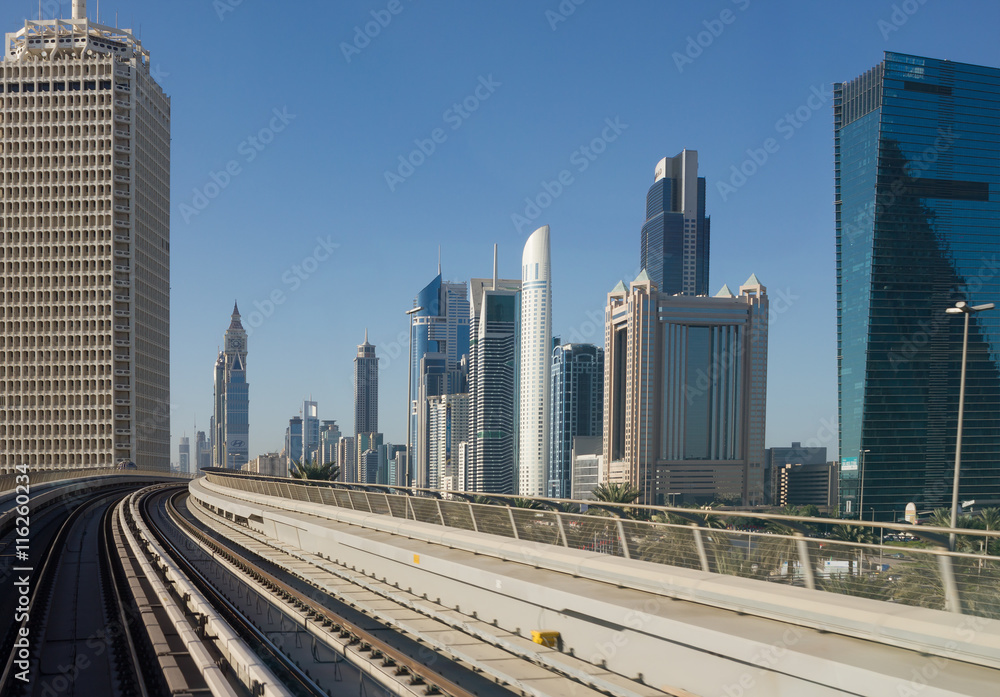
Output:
[[577, 405], [917, 166]]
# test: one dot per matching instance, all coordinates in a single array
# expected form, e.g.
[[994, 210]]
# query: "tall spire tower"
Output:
[[232, 398], [365, 389], [114, 215]]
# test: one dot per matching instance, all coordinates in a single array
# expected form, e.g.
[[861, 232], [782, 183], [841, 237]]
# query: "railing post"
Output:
[[700, 546], [562, 530], [804, 561], [409, 509], [952, 601], [472, 514], [621, 537], [440, 514]]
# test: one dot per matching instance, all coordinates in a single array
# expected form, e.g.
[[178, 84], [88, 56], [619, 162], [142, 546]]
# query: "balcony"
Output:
[[123, 178], [122, 342], [123, 358], [123, 416], [123, 149], [122, 119], [121, 268], [122, 313], [122, 224], [122, 238], [119, 87], [122, 254], [123, 209], [121, 327], [123, 104], [122, 388], [123, 373], [119, 283], [123, 402], [122, 299], [121, 193], [123, 431], [122, 163], [125, 445]]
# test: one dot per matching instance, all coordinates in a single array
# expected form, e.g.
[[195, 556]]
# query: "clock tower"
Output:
[[232, 399]]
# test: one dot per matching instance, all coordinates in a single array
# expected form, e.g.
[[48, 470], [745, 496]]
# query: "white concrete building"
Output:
[[85, 235], [535, 364]]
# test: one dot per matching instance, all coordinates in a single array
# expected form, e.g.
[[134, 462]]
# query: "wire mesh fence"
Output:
[[846, 557]]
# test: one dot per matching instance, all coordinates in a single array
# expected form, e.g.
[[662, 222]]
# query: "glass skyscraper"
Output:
[[675, 235], [917, 166], [577, 405], [232, 398], [438, 362]]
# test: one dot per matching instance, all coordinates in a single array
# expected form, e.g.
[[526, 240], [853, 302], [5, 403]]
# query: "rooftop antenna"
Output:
[[439, 260], [494, 266]]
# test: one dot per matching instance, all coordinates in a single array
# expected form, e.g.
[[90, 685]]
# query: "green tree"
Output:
[[307, 470]]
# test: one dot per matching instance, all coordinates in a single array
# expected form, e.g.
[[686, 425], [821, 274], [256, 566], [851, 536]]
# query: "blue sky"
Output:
[[308, 112]]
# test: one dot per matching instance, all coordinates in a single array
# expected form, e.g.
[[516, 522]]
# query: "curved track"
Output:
[[294, 679], [77, 628]]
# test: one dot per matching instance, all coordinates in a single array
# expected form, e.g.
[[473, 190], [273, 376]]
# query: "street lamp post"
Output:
[[961, 307], [409, 396], [861, 488]]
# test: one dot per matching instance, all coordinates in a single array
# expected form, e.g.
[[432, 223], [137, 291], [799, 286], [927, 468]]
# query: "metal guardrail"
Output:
[[819, 553], [9, 477]]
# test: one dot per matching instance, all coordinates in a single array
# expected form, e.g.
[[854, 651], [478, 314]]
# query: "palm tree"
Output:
[[613, 492], [852, 533], [991, 521], [307, 470]]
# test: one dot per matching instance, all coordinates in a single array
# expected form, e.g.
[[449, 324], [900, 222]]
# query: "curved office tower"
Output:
[[535, 364]]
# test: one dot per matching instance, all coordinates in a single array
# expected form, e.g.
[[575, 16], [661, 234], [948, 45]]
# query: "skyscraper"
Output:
[[577, 406], [675, 236], [685, 392], [365, 389], [293, 442], [493, 325], [535, 356], [917, 166], [310, 429], [232, 398], [184, 455], [438, 360], [329, 435], [85, 232]]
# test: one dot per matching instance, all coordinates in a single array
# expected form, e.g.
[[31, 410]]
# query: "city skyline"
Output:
[[727, 93]]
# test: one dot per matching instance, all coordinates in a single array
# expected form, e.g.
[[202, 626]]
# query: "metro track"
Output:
[[75, 637]]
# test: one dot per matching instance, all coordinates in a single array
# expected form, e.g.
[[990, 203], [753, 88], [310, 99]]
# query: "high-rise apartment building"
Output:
[[329, 435], [675, 236], [447, 426], [85, 235], [203, 451], [365, 389], [294, 451], [438, 360], [917, 200], [232, 398], [577, 404], [535, 364], [184, 455], [685, 392], [493, 325]]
